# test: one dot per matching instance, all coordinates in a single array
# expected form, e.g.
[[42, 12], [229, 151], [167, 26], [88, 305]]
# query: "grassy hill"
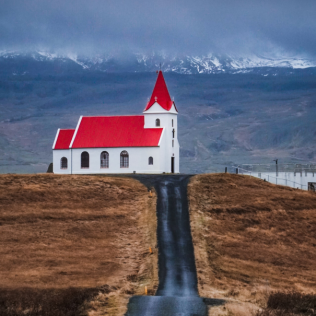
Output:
[[66, 240], [72, 245], [251, 238]]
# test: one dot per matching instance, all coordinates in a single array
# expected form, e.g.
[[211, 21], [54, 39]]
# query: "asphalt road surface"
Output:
[[177, 292]]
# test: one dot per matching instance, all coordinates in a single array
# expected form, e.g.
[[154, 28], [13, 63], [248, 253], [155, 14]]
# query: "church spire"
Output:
[[160, 94]]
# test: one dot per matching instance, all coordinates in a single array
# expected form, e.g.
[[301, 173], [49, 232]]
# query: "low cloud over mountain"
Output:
[[284, 27]]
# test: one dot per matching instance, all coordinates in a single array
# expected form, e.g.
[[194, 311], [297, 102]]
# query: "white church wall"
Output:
[[57, 155], [176, 153], [177, 157], [169, 145], [163, 156], [165, 121], [167, 151], [138, 160]]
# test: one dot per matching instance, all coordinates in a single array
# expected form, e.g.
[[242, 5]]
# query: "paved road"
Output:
[[177, 291]]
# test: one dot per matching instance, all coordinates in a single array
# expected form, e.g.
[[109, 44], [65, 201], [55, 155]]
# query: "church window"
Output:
[[63, 163], [173, 133], [84, 160], [104, 159], [124, 161], [150, 160], [157, 122], [172, 123], [172, 143]]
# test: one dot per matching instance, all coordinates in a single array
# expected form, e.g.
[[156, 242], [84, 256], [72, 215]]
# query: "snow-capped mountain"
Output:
[[22, 63], [221, 63]]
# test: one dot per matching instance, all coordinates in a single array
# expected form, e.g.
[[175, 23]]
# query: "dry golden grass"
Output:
[[78, 231], [250, 238]]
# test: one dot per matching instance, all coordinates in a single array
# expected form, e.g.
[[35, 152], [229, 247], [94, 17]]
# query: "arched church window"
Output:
[[150, 160], [172, 123], [124, 159], [63, 163], [157, 122], [173, 133], [84, 160], [104, 159]]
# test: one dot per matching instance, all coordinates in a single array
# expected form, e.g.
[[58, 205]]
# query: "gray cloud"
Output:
[[200, 26]]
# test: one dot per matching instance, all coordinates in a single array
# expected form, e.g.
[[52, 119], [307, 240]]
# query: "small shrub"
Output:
[[132, 278], [292, 303], [48, 302]]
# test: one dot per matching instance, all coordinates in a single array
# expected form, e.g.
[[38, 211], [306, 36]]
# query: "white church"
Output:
[[145, 143]]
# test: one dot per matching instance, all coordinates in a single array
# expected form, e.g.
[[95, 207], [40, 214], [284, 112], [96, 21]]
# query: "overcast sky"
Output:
[[176, 26]]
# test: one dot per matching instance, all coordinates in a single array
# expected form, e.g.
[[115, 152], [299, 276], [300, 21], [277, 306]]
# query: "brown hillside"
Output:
[[250, 238], [77, 231]]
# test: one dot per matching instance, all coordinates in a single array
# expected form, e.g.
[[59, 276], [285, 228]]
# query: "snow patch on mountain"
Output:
[[46, 55], [208, 64], [257, 61], [77, 61]]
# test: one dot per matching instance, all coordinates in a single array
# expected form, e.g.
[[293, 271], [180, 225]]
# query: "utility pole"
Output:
[[276, 167]]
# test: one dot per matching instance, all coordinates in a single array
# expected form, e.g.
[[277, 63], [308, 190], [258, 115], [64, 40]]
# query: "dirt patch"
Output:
[[79, 232], [251, 238]]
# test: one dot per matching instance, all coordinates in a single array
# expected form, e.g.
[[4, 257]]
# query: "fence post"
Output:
[[225, 169], [236, 170]]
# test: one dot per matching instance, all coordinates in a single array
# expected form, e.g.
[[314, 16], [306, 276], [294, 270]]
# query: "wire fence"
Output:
[[237, 170], [280, 167], [286, 182], [267, 177]]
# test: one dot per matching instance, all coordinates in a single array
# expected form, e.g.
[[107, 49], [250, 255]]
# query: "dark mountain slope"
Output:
[[223, 119]]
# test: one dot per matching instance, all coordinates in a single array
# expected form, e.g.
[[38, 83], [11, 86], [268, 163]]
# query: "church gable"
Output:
[[156, 108], [160, 95]]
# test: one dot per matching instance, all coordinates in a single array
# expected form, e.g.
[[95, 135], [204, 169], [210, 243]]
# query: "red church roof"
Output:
[[115, 131], [64, 138], [160, 94]]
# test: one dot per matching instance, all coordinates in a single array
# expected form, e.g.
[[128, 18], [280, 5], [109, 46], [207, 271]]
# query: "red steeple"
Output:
[[160, 94]]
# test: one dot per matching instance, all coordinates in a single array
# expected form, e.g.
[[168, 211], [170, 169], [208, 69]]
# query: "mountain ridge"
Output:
[[19, 62]]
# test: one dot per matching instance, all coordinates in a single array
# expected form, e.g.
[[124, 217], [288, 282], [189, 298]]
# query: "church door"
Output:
[[172, 164]]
